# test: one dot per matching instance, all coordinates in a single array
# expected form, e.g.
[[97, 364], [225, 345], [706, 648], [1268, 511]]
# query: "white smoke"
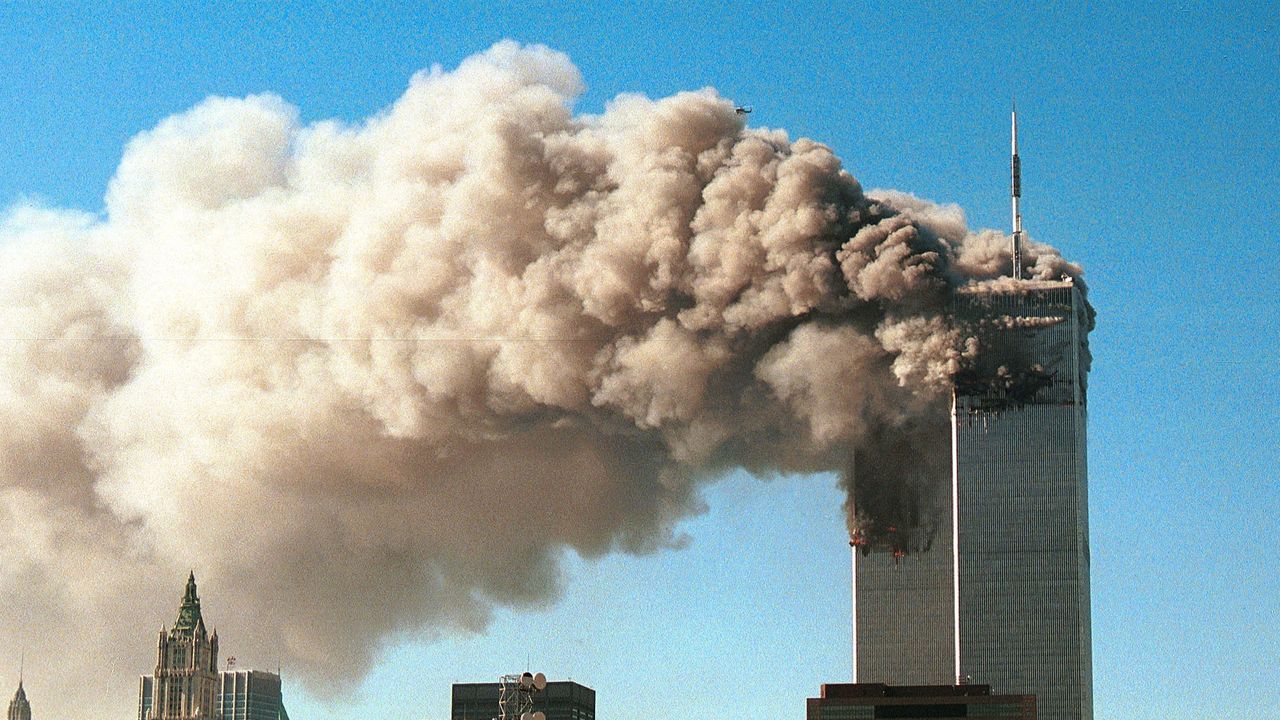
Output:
[[322, 364]]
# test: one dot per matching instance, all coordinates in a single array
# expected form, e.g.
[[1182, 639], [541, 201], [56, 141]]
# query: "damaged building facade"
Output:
[[1001, 597]]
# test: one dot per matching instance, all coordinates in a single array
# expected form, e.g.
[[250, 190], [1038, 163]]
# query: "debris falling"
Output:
[[319, 363]]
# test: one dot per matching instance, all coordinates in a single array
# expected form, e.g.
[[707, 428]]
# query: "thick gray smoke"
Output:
[[322, 364]]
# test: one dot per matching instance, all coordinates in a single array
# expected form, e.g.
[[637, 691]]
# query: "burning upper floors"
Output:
[[1031, 341]]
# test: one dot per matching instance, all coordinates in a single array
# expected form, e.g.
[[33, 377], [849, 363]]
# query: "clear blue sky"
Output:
[[1150, 145]]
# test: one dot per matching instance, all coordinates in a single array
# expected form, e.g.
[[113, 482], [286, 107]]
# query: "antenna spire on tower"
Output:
[[1016, 171]]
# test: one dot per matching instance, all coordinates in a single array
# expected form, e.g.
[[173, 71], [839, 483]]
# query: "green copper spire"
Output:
[[189, 614]]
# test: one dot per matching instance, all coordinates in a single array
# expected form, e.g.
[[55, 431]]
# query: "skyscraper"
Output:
[[19, 708], [1002, 596], [1020, 472], [185, 683]]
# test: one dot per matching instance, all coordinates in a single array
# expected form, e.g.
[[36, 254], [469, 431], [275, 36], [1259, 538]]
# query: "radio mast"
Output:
[[1016, 169]]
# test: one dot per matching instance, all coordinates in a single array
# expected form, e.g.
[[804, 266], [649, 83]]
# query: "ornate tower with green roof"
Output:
[[19, 708], [185, 683]]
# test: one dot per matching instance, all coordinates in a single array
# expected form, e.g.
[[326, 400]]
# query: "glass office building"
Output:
[[250, 695], [1002, 597]]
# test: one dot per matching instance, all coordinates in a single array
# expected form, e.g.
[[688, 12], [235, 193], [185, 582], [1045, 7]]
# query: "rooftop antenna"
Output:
[[1016, 170], [515, 696]]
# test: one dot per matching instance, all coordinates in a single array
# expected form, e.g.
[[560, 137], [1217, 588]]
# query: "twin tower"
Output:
[[1002, 595]]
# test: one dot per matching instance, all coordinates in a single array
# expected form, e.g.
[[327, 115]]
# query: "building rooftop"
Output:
[[864, 690]]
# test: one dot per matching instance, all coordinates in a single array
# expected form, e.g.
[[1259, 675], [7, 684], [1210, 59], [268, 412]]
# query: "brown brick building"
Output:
[[871, 701]]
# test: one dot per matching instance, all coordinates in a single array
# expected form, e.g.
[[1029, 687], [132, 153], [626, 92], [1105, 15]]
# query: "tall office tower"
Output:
[[1019, 469], [564, 700], [185, 683], [19, 708], [1001, 595], [250, 695]]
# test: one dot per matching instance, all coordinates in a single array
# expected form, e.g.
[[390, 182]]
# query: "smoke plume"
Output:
[[323, 364]]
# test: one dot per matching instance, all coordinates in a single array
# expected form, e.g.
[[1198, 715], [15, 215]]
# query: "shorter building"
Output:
[[146, 692], [250, 695], [870, 701], [242, 695], [564, 700]]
